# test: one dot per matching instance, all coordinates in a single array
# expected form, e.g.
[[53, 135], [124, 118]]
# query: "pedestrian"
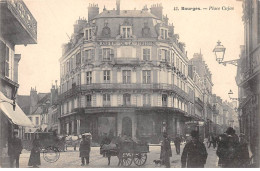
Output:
[[84, 150], [194, 154], [214, 141], [243, 152], [177, 143], [222, 149], [228, 149], [14, 150], [35, 160], [217, 140], [210, 140], [166, 151]]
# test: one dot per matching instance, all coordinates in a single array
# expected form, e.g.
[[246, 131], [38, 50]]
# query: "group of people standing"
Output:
[[15, 148], [194, 154], [212, 139], [232, 150]]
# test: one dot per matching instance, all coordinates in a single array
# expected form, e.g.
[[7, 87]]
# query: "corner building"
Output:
[[124, 72]]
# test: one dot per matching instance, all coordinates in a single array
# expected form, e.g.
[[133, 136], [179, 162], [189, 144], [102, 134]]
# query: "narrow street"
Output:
[[70, 159]]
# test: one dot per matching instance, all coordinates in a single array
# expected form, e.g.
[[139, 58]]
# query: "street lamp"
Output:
[[220, 53]]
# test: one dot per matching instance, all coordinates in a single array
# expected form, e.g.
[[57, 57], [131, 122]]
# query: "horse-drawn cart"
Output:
[[128, 152]]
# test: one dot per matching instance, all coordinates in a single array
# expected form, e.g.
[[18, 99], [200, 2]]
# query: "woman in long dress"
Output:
[[35, 160]]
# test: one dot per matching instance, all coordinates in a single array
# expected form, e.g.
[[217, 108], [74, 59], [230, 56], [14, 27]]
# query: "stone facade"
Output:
[[17, 26], [127, 70]]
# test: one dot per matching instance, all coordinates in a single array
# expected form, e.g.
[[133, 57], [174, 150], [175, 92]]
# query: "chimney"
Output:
[[157, 10], [33, 100], [118, 7], [78, 26], [93, 11]]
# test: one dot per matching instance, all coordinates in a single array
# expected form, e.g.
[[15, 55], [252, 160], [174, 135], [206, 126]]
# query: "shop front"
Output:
[[10, 120]]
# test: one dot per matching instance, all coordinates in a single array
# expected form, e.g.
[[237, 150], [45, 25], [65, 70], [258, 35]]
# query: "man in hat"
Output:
[[194, 154], [228, 149], [14, 150], [177, 143], [84, 150]]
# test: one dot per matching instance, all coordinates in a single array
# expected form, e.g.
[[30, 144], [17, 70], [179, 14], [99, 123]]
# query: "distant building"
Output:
[[17, 27], [219, 117], [205, 80], [198, 107], [54, 111], [124, 72], [35, 106]]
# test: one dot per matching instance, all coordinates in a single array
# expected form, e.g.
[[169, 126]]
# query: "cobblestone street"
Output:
[[70, 159]]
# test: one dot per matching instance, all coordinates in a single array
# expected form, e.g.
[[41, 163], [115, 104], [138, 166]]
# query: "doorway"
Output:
[[127, 126]]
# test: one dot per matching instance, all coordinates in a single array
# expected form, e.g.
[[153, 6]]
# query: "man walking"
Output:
[[194, 154], [177, 143], [14, 150], [84, 150], [210, 140]]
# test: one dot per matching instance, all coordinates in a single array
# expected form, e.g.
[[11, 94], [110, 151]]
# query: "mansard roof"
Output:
[[125, 13]]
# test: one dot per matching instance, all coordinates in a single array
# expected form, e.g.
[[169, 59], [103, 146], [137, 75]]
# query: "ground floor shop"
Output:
[[11, 119], [147, 124]]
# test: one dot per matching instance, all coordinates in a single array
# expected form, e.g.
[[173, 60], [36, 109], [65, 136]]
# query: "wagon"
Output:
[[129, 152], [134, 152]]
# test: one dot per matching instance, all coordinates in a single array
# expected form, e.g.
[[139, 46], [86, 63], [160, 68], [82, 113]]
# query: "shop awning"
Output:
[[17, 117]]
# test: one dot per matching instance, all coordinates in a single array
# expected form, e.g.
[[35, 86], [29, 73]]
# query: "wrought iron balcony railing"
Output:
[[20, 11], [119, 86]]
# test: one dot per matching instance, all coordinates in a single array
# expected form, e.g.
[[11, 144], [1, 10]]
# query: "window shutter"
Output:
[[168, 56], [149, 54], [100, 53], [160, 54], [84, 56], [93, 54], [111, 53]]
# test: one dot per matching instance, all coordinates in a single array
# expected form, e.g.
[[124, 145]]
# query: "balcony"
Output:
[[17, 23], [249, 70], [119, 86]]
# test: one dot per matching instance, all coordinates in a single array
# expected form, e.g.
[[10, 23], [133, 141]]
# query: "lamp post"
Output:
[[220, 53]]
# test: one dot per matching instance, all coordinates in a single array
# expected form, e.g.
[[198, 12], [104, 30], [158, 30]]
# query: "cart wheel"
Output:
[[127, 159], [51, 154], [140, 158]]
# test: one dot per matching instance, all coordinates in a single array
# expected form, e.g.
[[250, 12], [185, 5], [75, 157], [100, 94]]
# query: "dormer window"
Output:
[[88, 34], [164, 33], [126, 31]]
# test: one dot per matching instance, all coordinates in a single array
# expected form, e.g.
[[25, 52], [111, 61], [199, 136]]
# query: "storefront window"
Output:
[[106, 125]]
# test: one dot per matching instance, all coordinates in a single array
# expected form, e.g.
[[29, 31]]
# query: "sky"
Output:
[[199, 30]]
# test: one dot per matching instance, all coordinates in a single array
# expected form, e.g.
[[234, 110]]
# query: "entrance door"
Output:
[[127, 126]]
